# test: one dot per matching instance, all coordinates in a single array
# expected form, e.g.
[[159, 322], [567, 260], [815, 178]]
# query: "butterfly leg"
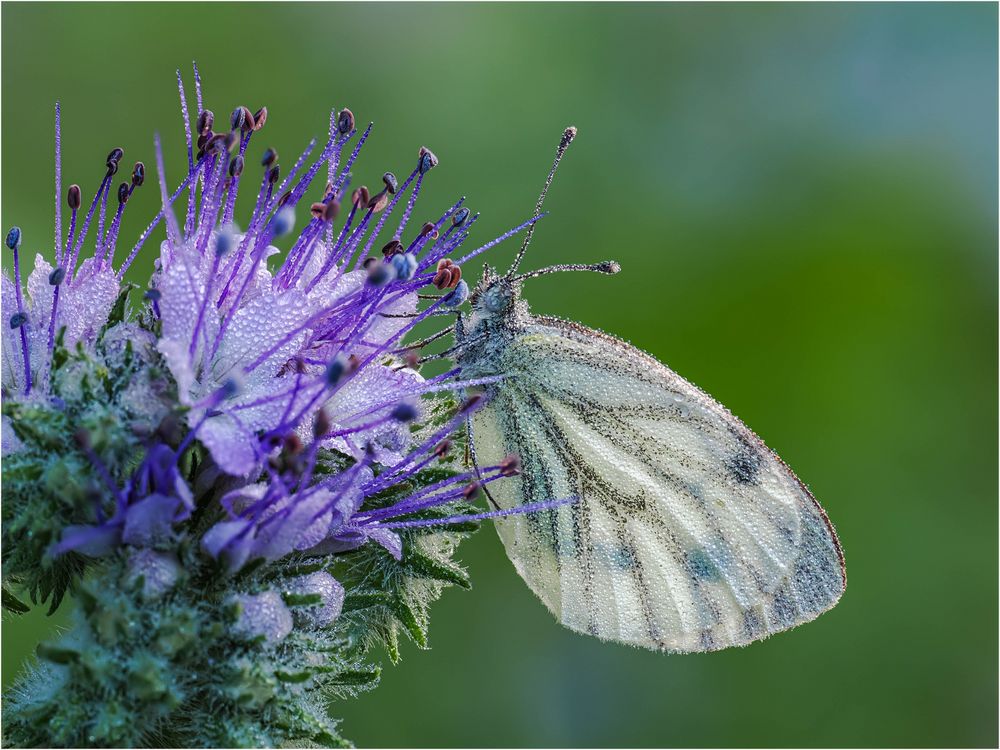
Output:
[[470, 448]]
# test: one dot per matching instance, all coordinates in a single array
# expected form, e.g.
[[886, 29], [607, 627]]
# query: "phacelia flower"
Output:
[[245, 452]]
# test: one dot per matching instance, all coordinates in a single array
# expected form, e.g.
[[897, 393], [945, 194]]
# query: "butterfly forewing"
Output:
[[688, 533]]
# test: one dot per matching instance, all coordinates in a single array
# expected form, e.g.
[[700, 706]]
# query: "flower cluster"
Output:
[[240, 472]]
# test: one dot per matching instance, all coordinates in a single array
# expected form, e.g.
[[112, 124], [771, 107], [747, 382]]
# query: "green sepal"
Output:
[[408, 619], [12, 604], [293, 677], [419, 565], [301, 600], [365, 600], [56, 654], [363, 678]]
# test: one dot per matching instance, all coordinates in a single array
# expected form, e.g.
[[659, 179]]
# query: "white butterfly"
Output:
[[688, 534]]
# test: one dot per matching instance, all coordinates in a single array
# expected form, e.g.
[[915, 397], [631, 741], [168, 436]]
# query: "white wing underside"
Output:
[[689, 534]]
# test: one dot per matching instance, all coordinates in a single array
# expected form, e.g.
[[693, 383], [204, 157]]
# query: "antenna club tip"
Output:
[[609, 267], [567, 137]]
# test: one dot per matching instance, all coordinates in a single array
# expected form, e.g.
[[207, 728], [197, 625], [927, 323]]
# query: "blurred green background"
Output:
[[803, 199]]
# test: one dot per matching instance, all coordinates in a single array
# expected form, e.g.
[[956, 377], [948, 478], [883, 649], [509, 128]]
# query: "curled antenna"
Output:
[[608, 266], [567, 138]]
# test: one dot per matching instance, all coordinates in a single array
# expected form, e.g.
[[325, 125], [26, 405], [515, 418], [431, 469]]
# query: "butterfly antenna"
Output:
[[607, 266], [567, 138]]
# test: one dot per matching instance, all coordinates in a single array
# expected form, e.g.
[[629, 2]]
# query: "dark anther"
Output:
[[14, 238], [442, 449], [404, 412], [236, 166], [203, 140], [391, 183], [230, 387], [328, 191], [321, 424], [284, 198], [269, 158], [317, 209], [259, 118], [378, 201], [470, 403], [379, 274], [461, 216], [241, 119], [115, 156], [18, 319], [73, 197], [112, 168], [217, 142], [293, 444], [57, 276], [361, 196], [332, 209], [429, 230], [205, 122], [471, 490], [123, 193], [393, 247], [138, 174], [426, 161], [224, 242], [345, 121], [273, 174], [510, 466], [369, 263], [448, 275], [335, 370], [231, 140], [153, 295]]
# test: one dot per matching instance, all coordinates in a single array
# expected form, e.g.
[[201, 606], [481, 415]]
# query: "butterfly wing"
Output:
[[689, 533]]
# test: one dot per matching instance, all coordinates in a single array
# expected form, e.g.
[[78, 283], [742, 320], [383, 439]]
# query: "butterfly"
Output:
[[687, 534]]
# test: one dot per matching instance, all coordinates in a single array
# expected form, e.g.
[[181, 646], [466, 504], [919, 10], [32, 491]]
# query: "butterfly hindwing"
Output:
[[688, 535]]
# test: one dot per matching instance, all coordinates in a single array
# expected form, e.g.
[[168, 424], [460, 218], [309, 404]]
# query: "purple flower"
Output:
[[277, 358]]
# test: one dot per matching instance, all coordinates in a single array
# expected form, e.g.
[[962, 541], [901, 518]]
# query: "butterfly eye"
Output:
[[495, 300]]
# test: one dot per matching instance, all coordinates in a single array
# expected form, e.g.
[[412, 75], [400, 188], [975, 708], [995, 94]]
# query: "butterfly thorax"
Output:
[[498, 315]]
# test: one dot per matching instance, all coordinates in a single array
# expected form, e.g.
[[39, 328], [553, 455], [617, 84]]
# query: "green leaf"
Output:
[[408, 619], [293, 677], [392, 646], [366, 599], [368, 677], [12, 604], [419, 565], [301, 600], [56, 654]]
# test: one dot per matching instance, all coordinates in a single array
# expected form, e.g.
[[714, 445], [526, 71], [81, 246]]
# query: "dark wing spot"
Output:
[[744, 464], [700, 566]]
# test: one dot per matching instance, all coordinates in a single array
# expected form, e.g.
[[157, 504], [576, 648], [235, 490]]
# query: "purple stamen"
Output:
[[24, 324], [71, 265], [173, 231], [58, 243], [498, 240], [529, 508], [190, 151], [156, 220]]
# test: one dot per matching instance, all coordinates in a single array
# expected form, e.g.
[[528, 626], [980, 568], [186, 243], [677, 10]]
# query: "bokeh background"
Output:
[[803, 199]]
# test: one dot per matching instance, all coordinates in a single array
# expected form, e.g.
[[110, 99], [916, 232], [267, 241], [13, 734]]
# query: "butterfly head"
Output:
[[495, 296]]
